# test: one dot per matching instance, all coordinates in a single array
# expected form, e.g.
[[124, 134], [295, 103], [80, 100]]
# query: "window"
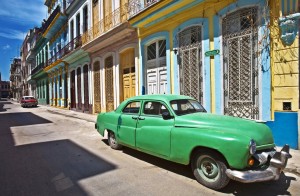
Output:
[[85, 19], [132, 108], [186, 106], [162, 48], [154, 108], [156, 50], [78, 25], [72, 30], [151, 51]]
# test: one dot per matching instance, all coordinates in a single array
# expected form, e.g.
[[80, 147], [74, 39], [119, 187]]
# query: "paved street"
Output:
[[49, 151]]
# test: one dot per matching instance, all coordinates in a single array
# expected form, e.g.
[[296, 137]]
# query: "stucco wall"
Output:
[[285, 62]]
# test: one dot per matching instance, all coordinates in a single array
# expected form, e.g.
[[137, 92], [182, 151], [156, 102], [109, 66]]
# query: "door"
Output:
[[73, 99], [108, 17], [127, 123], [156, 70], [190, 67], [241, 90], [86, 87], [97, 95], [96, 18], [153, 133], [127, 75], [79, 88], [109, 84]]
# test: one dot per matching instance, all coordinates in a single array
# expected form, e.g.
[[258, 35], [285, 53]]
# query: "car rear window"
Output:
[[29, 98]]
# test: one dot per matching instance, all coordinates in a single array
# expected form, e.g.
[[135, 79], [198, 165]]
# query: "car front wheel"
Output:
[[112, 141], [209, 169]]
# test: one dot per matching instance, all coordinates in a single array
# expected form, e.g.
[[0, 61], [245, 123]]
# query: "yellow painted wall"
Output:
[[284, 64]]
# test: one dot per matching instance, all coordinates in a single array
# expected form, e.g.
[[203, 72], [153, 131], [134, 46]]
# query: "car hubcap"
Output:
[[112, 139], [208, 169]]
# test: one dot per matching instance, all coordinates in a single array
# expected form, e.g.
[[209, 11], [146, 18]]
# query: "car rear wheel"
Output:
[[209, 169], [112, 141]]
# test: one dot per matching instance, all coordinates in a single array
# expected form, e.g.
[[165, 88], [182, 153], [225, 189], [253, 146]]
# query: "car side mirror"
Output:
[[166, 115]]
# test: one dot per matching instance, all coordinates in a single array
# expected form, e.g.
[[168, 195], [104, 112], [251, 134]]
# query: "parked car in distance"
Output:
[[29, 101], [178, 128]]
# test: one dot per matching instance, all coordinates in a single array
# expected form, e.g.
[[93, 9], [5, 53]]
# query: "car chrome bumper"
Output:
[[277, 164]]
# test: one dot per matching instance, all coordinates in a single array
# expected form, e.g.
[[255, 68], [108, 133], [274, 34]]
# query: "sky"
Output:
[[16, 18]]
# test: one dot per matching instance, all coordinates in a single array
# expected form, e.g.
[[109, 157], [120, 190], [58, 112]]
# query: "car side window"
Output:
[[132, 108], [154, 108]]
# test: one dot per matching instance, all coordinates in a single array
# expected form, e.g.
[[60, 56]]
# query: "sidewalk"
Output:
[[293, 165], [71, 113]]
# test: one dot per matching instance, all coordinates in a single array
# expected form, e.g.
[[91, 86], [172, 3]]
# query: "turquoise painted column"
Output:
[[63, 79], [50, 91], [58, 90], [55, 90]]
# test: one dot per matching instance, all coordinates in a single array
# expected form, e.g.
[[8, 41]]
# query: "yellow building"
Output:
[[284, 28], [112, 46], [218, 52]]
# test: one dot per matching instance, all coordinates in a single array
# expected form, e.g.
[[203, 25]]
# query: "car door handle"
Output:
[[134, 117], [141, 118]]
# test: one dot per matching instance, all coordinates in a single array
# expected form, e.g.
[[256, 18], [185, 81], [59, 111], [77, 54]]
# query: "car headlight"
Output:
[[252, 146]]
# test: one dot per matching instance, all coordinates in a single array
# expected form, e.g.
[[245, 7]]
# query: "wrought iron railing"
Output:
[[38, 68], [109, 22], [72, 45], [137, 6]]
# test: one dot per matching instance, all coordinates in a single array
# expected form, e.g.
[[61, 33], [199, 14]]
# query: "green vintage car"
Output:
[[178, 128]]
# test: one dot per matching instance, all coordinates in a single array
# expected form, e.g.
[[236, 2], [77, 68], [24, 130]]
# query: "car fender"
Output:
[[105, 122], [184, 140]]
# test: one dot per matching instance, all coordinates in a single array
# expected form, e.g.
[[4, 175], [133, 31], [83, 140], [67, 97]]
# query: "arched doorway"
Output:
[[86, 87], [156, 70], [190, 66], [109, 84], [127, 74], [73, 98], [240, 38], [97, 93], [79, 99]]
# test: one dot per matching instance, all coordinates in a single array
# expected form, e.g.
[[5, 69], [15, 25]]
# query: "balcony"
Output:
[[37, 68], [109, 22], [137, 6], [54, 23], [72, 45]]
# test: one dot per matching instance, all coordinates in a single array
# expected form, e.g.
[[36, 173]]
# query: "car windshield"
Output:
[[186, 106], [29, 97]]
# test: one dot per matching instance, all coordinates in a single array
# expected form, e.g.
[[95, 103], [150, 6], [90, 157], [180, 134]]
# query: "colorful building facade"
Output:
[[113, 49], [217, 52], [237, 57], [284, 41]]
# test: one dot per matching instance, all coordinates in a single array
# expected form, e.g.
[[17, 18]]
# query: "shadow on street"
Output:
[[279, 187], [45, 168], [2, 103]]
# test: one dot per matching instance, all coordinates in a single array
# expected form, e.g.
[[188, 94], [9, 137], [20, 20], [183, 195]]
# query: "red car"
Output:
[[29, 101]]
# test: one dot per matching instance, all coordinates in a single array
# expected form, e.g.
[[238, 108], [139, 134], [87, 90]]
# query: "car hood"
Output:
[[227, 126]]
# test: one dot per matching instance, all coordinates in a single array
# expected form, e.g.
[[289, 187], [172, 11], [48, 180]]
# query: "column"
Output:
[[50, 90], [69, 89], [63, 99], [58, 90]]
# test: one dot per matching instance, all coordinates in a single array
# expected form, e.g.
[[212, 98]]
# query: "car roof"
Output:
[[28, 96], [163, 97]]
